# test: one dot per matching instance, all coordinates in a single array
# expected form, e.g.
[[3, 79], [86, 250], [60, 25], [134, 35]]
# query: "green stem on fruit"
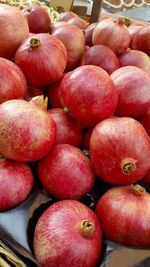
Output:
[[128, 166], [34, 43], [66, 110], [87, 228], [138, 189]]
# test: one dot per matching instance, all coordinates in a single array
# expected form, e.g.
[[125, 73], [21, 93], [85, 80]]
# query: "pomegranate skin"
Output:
[[31, 92], [65, 16], [133, 29], [113, 34], [101, 56], [124, 216], [146, 179], [58, 240], [38, 18], [12, 31], [27, 133], [115, 155], [66, 172], [77, 21], [133, 88], [141, 40], [89, 32], [13, 82], [16, 182], [145, 121], [67, 130], [73, 39], [86, 138], [135, 58], [43, 64], [89, 93]]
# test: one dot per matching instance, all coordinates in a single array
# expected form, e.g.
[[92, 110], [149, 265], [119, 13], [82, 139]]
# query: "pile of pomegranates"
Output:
[[75, 100]]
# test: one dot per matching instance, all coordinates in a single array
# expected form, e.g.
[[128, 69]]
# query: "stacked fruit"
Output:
[[95, 81]]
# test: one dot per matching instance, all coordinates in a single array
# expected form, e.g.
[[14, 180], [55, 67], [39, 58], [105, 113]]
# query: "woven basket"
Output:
[[65, 4]]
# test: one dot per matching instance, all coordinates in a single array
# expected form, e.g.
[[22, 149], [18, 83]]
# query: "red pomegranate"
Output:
[[65, 16], [38, 18], [124, 216], [145, 121], [113, 34], [66, 173], [79, 22], [133, 88], [32, 92], [120, 150], [146, 179], [101, 56], [86, 138], [141, 40], [88, 94], [12, 31], [42, 58], [68, 234], [13, 83], [16, 182], [56, 25], [135, 58], [133, 29], [73, 39], [103, 17], [89, 32], [27, 133], [53, 93], [67, 130]]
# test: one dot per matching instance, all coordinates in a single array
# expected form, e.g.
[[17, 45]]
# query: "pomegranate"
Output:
[[135, 58], [74, 42], [86, 138], [16, 182], [43, 58], [13, 82], [101, 56], [146, 179], [67, 130], [113, 34], [66, 173], [124, 216], [120, 150], [103, 17], [79, 22], [145, 121], [133, 29], [27, 133], [68, 234], [133, 87], [38, 18], [56, 25], [65, 16], [12, 31], [89, 32], [141, 40], [53, 93], [31, 92], [88, 94]]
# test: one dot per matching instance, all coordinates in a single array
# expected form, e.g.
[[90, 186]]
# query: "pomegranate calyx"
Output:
[[66, 110], [34, 43], [40, 102], [138, 189], [86, 152], [124, 21], [128, 166], [87, 228]]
